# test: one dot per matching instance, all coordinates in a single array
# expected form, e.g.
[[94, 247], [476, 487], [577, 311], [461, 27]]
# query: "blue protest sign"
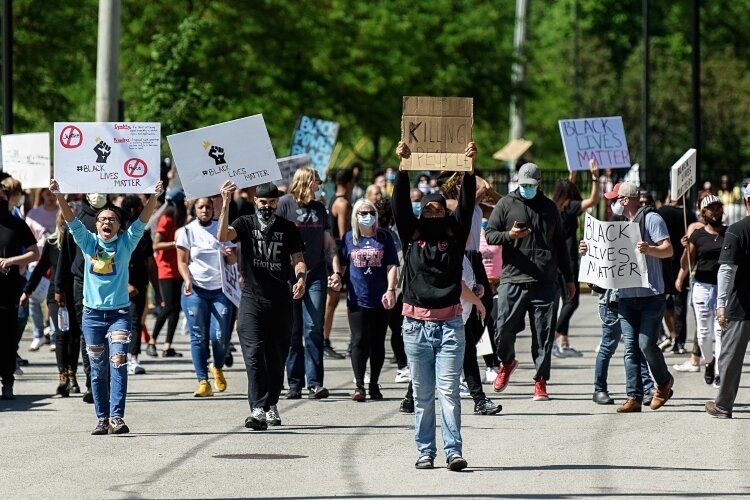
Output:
[[316, 138]]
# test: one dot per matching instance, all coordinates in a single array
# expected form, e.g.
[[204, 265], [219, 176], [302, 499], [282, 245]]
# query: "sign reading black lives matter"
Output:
[[238, 150], [601, 139], [612, 260], [107, 157], [315, 138], [437, 130], [682, 175]]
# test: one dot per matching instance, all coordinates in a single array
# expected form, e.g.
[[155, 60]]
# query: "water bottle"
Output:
[[63, 320]]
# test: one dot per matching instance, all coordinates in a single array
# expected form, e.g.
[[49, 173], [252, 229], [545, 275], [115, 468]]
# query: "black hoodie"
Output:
[[433, 248], [537, 257]]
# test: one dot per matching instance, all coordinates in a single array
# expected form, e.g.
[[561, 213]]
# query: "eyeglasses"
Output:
[[367, 212], [107, 219]]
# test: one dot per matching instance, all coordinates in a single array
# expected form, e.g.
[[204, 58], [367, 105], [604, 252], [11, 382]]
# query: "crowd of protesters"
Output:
[[439, 260]]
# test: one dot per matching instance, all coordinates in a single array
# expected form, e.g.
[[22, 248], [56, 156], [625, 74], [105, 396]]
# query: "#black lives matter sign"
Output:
[[682, 175], [600, 139], [437, 130]]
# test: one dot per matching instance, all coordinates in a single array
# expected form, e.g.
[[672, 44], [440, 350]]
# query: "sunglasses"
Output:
[[367, 212], [107, 219]]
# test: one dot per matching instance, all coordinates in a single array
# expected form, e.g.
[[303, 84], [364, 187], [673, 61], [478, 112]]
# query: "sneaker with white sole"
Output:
[[687, 366], [36, 344], [403, 376], [272, 416], [135, 368], [257, 420]]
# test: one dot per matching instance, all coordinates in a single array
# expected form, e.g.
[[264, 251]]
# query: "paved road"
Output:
[[182, 447]]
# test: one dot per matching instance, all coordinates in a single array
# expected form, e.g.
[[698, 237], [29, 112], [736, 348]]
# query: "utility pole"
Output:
[[7, 67], [107, 60], [696, 89], [518, 73], [646, 95]]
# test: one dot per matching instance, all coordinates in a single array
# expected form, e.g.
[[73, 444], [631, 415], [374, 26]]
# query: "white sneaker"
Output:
[[490, 374], [687, 366], [36, 344], [571, 352], [403, 376], [135, 368], [52, 348], [272, 416], [367, 378]]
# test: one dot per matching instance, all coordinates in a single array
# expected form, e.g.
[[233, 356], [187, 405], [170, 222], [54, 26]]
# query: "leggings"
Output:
[[171, 289], [568, 308], [368, 328], [67, 344]]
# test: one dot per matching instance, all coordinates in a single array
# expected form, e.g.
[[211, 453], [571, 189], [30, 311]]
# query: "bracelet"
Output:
[[300, 276]]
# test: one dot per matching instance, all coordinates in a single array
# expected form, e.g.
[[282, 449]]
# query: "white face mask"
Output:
[[97, 200], [617, 208]]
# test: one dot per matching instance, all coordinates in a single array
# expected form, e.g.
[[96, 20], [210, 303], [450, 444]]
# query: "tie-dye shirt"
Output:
[[105, 280]]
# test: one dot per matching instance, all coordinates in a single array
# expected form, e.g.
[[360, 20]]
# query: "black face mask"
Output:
[[713, 221], [265, 213], [434, 228]]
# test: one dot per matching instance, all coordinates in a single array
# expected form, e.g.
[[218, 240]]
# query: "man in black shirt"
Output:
[[733, 311], [17, 248], [269, 245]]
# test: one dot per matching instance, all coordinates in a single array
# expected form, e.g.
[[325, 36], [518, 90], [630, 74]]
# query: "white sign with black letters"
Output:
[[682, 175]]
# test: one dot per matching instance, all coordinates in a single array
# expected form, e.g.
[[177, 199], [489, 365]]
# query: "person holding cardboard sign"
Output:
[[106, 313], [433, 328]]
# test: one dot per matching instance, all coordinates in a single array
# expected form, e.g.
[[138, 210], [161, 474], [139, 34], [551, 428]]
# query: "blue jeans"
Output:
[[305, 361], [640, 319], [208, 312], [611, 332], [107, 335], [435, 351]]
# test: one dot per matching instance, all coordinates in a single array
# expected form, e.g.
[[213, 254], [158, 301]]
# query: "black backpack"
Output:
[[666, 264]]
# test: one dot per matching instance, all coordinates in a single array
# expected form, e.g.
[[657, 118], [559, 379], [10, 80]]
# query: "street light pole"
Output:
[[107, 60]]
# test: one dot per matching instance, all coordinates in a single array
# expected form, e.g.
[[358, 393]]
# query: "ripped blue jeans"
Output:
[[209, 315], [107, 334]]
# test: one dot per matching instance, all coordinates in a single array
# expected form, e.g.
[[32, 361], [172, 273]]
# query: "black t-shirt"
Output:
[[708, 249], [312, 221], [674, 218], [266, 255], [570, 232], [736, 251], [138, 276], [15, 237]]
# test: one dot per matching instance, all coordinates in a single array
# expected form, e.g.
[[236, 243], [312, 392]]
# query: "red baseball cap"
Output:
[[614, 193]]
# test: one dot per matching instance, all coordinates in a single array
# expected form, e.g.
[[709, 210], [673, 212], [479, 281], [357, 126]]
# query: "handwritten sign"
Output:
[[602, 139], [26, 158], [315, 138], [238, 150], [612, 260], [289, 164], [682, 175], [107, 157], [437, 130], [230, 282]]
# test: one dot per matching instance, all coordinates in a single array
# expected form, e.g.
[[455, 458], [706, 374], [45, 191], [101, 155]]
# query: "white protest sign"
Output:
[[682, 175], [107, 157], [230, 281], [26, 158], [602, 139], [612, 260], [238, 150]]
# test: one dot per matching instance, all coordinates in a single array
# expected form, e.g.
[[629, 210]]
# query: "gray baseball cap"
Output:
[[529, 173]]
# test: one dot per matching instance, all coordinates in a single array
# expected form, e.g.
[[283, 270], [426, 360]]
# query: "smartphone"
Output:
[[522, 225]]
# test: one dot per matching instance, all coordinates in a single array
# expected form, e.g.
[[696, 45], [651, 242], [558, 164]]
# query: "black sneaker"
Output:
[[710, 372], [170, 353], [487, 407], [678, 348], [102, 427], [456, 463], [407, 405], [118, 426], [151, 350], [330, 353], [293, 393], [318, 393], [228, 360], [7, 394], [88, 397], [425, 462], [375, 393], [232, 347], [257, 420]]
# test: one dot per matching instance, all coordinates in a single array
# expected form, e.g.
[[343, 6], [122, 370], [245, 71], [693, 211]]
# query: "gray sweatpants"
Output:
[[734, 342]]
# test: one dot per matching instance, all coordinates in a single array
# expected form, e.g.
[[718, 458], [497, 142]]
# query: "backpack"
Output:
[[666, 264]]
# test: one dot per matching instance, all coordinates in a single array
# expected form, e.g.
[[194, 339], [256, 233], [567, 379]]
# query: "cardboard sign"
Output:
[[600, 138], [26, 158], [238, 150], [513, 150], [107, 157], [437, 130], [230, 282], [315, 138], [289, 164], [612, 261], [682, 175]]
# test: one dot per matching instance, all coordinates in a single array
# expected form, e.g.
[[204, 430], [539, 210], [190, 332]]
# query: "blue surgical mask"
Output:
[[366, 220], [527, 192], [416, 207]]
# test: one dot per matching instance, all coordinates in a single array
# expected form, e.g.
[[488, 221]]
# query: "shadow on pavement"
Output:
[[25, 403]]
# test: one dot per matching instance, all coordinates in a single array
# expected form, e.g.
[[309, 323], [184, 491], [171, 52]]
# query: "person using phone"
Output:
[[527, 224]]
